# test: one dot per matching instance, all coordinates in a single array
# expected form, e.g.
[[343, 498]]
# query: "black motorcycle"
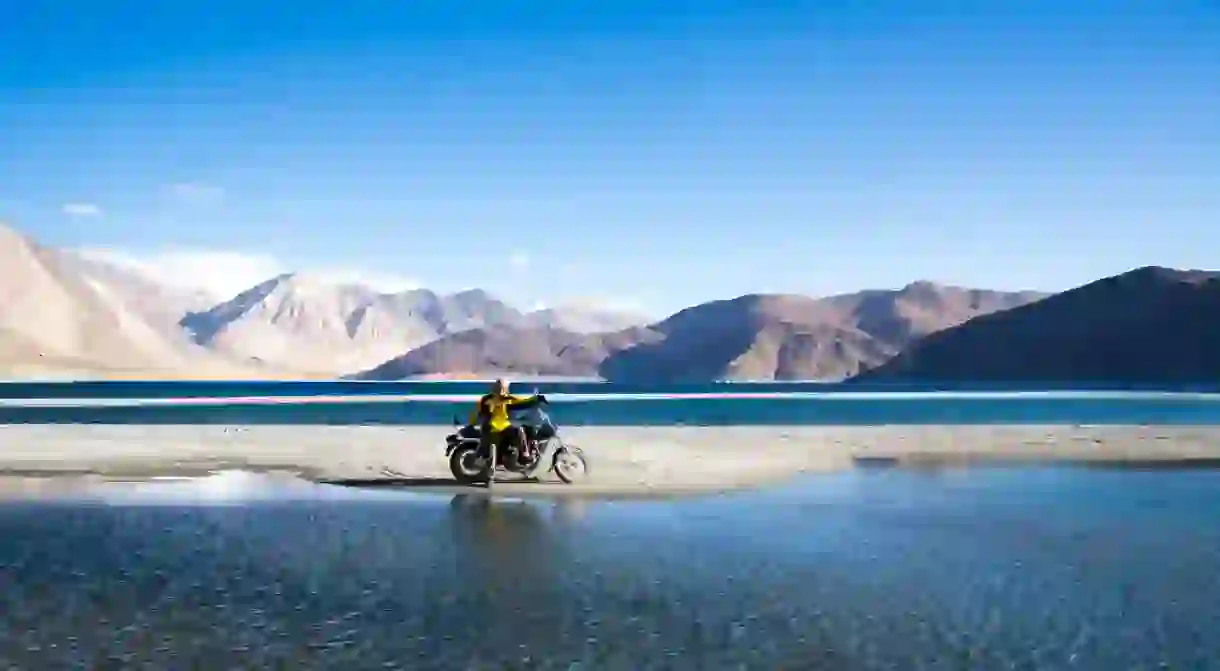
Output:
[[470, 462]]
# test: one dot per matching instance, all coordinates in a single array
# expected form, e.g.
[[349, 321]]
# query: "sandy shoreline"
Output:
[[624, 460]]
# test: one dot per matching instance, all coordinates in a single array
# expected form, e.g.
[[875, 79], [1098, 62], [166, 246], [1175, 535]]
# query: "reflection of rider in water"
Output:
[[491, 416], [507, 541], [516, 562]]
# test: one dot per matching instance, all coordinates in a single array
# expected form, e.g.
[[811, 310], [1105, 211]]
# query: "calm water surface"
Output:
[[106, 389], [591, 404], [974, 569]]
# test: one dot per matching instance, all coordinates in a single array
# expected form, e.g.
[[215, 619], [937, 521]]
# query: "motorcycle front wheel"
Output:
[[570, 464]]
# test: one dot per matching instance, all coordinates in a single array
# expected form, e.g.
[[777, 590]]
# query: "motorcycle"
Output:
[[470, 463]]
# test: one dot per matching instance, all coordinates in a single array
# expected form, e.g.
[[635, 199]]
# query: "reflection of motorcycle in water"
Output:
[[568, 510], [563, 509], [470, 461], [498, 537], [512, 572]]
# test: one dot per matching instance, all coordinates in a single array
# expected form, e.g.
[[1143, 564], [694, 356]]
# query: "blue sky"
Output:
[[658, 153]]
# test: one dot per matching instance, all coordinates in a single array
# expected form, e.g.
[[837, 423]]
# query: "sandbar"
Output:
[[626, 461]]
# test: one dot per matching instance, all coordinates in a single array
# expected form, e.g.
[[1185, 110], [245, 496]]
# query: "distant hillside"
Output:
[[750, 337], [529, 351], [60, 312], [1150, 325], [765, 336], [160, 306], [311, 324], [899, 317], [787, 337]]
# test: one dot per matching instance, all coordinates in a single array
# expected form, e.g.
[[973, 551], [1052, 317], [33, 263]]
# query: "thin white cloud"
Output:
[[224, 274], [519, 260], [619, 304], [383, 282], [81, 210]]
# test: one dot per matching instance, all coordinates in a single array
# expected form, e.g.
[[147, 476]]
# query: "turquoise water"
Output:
[[221, 389], [694, 412], [973, 569], [400, 403]]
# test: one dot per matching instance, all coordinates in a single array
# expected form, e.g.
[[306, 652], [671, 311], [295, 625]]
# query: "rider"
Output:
[[491, 416]]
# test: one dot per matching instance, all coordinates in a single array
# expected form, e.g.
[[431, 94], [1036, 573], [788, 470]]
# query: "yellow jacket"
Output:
[[492, 410]]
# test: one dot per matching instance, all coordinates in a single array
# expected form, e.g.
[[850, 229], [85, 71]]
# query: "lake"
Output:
[[1051, 568], [584, 403]]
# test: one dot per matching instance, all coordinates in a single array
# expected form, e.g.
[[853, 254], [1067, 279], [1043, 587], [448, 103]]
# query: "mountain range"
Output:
[[1149, 326], [758, 337], [64, 314]]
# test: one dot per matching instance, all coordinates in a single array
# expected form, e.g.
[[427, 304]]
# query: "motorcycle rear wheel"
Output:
[[465, 465]]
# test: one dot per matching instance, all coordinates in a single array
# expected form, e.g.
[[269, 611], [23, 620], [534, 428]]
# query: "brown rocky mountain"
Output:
[[1150, 325], [530, 351], [757, 336], [788, 337], [310, 323], [313, 324], [749, 337], [899, 317]]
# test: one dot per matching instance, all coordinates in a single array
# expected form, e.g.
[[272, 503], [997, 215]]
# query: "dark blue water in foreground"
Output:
[[995, 569]]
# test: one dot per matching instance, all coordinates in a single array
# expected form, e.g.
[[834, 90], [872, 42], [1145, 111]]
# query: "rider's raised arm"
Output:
[[522, 402]]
